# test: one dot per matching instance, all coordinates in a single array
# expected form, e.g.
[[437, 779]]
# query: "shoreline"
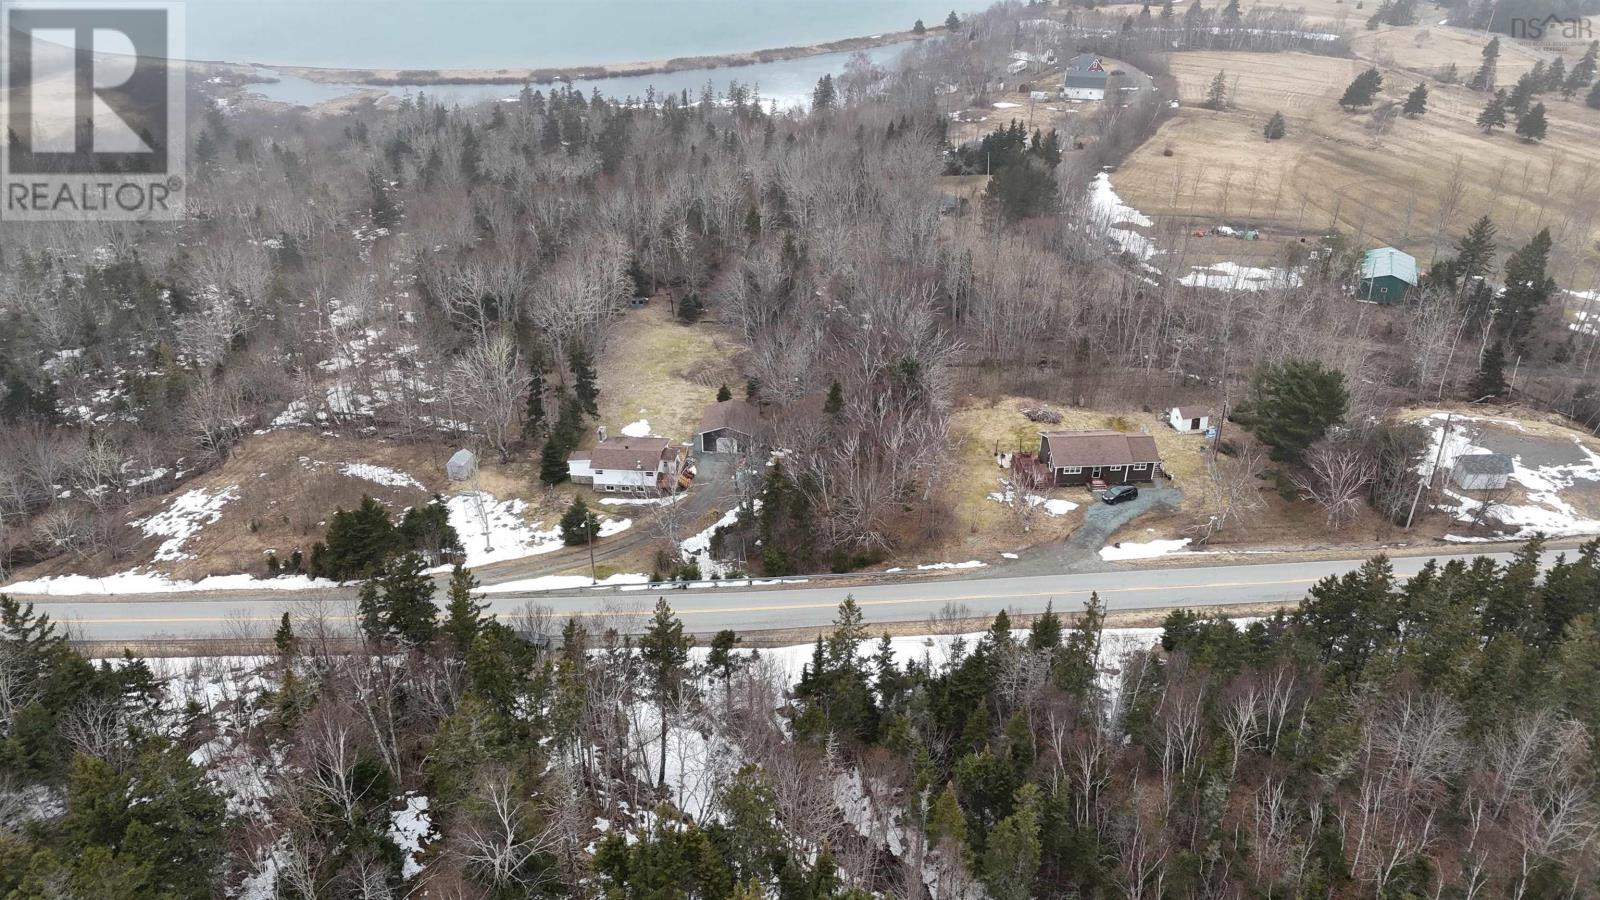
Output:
[[393, 77]]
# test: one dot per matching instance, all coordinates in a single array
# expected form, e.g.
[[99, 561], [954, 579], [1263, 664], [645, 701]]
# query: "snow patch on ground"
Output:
[[608, 527], [184, 517], [1117, 219], [641, 428], [697, 548], [1230, 276], [1053, 507], [381, 475], [1146, 550], [408, 829], [155, 583], [562, 582], [1545, 511], [930, 567], [643, 501], [495, 531]]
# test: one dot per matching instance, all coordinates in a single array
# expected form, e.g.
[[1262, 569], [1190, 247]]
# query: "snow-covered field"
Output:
[[381, 475], [1231, 276], [137, 582], [494, 530]]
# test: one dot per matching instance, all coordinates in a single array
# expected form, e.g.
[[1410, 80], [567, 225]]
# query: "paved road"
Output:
[[756, 609]]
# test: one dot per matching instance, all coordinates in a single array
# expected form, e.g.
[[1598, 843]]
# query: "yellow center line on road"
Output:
[[779, 607]]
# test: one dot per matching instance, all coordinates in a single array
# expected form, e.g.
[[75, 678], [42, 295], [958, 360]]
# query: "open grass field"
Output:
[[1416, 184], [658, 369]]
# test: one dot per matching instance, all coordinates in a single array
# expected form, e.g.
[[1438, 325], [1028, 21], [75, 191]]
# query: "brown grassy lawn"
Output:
[[659, 369], [1333, 170], [978, 527]]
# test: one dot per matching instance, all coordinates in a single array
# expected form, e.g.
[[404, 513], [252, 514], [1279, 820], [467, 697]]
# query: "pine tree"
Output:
[[1527, 289], [664, 650], [1494, 113], [724, 394], [1491, 378], [1416, 101], [721, 658], [385, 213], [1583, 72], [919, 29], [1296, 402], [283, 638], [370, 610], [1013, 850], [1593, 100], [1532, 127], [533, 420], [578, 524], [1045, 633], [1483, 79], [553, 461], [1231, 13], [1521, 96], [1555, 77], [947, 825], [1166, 11], [584, 385], [835, 402], [358, 542], [409, 612], [823, 96], [1475, 251], [952, 21], [1275, 128], [1217, 93], [1363, 89], [463, 612]]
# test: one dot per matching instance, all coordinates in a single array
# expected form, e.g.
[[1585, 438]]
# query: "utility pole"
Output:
[[588, 524], [1437, 458]]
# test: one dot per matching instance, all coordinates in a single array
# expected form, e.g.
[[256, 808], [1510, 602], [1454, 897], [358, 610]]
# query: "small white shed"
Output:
[[1482, 471], [462, 466], [1189, 419]]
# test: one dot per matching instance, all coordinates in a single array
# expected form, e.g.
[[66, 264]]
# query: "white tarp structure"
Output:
[[462, 466]]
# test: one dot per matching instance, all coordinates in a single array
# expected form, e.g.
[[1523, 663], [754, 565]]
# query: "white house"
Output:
[[1085, 78], [1482, 471], [627, 465], [1189, 419]]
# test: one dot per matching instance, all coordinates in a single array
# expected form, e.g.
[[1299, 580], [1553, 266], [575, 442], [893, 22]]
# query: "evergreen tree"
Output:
[[823, 96], [952, 21], [1532, 127], [1527, 288], [533, 420], [579, 525], [1555, 77], [409, 614], [1295, 403], [463, 611], [1416, 101], [919, 29], [1491, 378], [357, 544], [723, 394], [1217, 93], [1475, 251], [1593, 100], [1022, 189], [1583, 71], [1275, 128], [584, 385], [283, 638], [1521, 96], [1363, 90], [721, 658], [835, 402], [553, 461], [1484, 78], [664, 650], [1012, 851], [1494, 113], [370, 610], [385, 213]]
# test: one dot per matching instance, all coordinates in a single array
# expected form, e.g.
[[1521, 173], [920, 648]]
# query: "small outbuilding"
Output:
[[1387, 275], [462, 466], [1482, 471], [728, 426], [1189, 419]]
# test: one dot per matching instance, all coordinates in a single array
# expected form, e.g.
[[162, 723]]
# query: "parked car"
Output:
[[1118, 493]]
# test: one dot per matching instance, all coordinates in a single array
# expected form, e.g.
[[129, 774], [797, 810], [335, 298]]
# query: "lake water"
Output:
[[473, 34], [788, 82]]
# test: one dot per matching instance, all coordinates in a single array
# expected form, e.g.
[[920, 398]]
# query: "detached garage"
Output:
[[728, 426]]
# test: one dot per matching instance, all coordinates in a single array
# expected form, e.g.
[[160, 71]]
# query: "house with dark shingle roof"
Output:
[[1085, 78], [627, 465], [728, 426], [1109, 457]]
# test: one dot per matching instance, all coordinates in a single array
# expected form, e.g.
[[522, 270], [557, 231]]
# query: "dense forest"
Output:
[[1426, 737]]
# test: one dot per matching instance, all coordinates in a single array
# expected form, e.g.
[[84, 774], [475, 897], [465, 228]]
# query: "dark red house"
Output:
[[1097, 457]]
